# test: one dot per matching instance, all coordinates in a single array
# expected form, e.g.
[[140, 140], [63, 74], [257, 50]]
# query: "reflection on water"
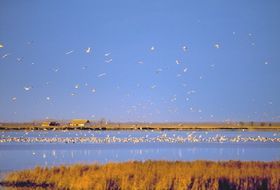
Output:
[[28, 155]]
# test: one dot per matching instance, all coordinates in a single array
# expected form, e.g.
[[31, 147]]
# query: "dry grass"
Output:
[[152, 175]]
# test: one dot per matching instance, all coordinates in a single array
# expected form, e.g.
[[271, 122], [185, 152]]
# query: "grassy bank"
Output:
[[152, 175], [146, 126]]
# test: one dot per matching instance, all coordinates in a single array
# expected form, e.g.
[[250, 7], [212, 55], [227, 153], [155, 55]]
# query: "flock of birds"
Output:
[[163, 138], [143, 105]]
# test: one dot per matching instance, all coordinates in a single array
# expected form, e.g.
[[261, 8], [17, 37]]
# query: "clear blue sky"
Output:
[[232, 61]]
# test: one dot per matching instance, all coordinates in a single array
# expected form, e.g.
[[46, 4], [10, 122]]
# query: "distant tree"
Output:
[[262, 123], [241, 123], [269, 124], [252, 123]]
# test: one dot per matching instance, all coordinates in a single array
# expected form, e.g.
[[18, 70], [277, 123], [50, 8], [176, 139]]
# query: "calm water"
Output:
[[14, 156]]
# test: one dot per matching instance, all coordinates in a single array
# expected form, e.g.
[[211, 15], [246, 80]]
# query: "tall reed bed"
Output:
[[154, 175]]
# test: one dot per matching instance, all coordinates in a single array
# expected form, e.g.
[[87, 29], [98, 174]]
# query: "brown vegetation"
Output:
[[152, 175]]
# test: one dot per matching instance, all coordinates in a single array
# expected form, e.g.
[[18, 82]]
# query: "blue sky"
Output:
[[229, 72]]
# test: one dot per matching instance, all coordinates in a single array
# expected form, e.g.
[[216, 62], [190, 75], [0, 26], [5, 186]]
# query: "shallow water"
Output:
[[14, 156]]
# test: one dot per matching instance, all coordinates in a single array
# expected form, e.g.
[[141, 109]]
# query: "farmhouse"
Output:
[[79, 123], [49, 123]]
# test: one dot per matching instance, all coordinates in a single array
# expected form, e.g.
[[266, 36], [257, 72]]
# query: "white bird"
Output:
[[185, 70], [77, 86], [93, 90], [14, 98], [109, 60], [107, 54], [27, 88], [152, 48], [101, 75], [177, 61], [88, 50], [1, 46], [73, 94], [69, 52], [184, 48], [266, 62], [140, 62], [217, 45], [48, 98]]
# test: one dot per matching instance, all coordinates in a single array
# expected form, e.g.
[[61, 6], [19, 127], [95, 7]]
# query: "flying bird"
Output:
[[185, 70], [107, 54], [1, 46], [88, 50], [5, 55], [177, 62], [69, 52], [152, 48], [217, 46], [27, 88], [101, 75], [109, 60], [56, 70], [184, 48]]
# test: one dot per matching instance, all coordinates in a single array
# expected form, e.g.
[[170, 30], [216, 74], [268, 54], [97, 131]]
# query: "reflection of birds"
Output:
[[88, 50], [69, 52]]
